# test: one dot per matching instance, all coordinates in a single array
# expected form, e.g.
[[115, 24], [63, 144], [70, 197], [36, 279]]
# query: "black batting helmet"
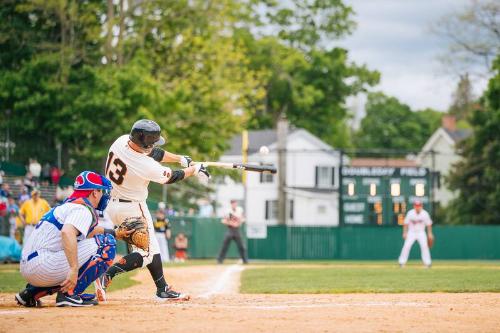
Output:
[[146, 134]]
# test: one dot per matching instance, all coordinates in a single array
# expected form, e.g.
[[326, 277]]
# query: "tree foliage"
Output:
[[473, 36], [390, 124], [476, 176]]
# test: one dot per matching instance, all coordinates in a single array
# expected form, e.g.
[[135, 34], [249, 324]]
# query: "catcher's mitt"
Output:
[[140, 235]]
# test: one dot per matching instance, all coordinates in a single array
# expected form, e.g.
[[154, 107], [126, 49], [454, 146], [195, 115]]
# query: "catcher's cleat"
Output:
[[167, 294], [24, 298], [100, 285], [63, 299]]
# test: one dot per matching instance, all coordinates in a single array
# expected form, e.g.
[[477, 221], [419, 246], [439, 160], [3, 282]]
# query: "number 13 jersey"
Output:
[[131, 171]]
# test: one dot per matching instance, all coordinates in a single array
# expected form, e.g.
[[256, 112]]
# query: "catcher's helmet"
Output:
[[87, 181], [146, 134]]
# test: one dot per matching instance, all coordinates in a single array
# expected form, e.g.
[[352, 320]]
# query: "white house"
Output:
[[439, 154], [311, 180]]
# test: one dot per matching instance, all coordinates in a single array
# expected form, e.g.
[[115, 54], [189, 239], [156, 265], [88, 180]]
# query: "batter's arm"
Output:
[[171, 158], [69, 242]]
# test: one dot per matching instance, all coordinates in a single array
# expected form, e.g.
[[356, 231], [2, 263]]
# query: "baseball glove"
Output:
[[134, 230], [430, 241]]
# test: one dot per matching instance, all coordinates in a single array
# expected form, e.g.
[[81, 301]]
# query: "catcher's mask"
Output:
[[146, 134], [89, 181]]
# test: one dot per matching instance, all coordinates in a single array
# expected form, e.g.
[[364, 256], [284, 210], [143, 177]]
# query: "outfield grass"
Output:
[[12, 281], [371, 277]]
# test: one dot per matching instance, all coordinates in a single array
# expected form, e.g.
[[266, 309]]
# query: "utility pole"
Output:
[[282, 133], [7, 139]]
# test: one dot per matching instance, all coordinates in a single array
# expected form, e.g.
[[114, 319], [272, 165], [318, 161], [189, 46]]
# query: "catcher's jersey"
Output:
[[47, 235], [417, 222], [131, 171]]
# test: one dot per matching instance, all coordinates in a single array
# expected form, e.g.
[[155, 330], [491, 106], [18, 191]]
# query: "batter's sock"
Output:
[[127, 263], [156, 271]]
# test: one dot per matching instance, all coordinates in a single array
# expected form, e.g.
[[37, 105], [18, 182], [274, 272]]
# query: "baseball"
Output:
[[264, 150]]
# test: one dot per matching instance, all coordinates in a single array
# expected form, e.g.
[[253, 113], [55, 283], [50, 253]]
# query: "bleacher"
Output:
[[48, 192]]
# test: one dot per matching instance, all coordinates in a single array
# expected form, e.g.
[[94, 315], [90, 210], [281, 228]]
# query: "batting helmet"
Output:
[[146, 134]]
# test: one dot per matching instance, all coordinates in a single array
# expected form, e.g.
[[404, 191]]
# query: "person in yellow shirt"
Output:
[[31, 212]]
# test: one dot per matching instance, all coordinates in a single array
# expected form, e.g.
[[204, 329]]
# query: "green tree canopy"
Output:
[[390, 124], [476, 176]]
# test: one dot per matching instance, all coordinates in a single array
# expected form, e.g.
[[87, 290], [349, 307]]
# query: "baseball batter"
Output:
[[67, 251], [416, 221], [134, 161]]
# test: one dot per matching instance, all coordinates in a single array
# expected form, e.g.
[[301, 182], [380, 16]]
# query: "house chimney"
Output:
[[449, 122]]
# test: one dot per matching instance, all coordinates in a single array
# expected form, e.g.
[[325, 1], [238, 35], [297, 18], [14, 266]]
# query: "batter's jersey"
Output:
[[417, 222], [131, 171], [47, 236]]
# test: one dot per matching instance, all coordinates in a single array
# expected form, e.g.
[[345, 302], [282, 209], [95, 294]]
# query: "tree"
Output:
[[474, 37], [390, 124], [463, 99], [476, 177]]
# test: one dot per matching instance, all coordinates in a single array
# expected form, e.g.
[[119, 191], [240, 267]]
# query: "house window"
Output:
[[350, 189], [419, 189], [395, 189], [266, 177], [325, 176], [271, 209]]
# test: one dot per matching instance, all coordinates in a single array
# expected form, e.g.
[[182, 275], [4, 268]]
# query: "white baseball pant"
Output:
[[411, 237], [118, 211], [50, 268], [162, 241]]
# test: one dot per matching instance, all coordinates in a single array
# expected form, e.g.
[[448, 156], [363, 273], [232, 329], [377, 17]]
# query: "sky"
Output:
[[393, 37]]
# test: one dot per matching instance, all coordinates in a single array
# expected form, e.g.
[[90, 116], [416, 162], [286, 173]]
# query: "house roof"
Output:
[[458, 135], [452, 137], [383, 162], [268, 137], [256, 139]]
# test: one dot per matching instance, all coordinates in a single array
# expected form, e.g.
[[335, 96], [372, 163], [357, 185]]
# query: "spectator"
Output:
[[181, 246], [31, 212], [46, 172], [36, 170], [23, 195], [162, 233], [205, 208], [233, 220], [13, 211], [170, 211], [5, 190], [162, 207], [191, 212], [55, 175], [1, 176], [3, 206], [28, 181]]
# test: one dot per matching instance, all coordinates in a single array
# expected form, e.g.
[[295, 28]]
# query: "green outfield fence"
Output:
[[352, 242]]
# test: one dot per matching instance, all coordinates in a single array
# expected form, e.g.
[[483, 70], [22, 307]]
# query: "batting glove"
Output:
[[202, 173], [186, 161]]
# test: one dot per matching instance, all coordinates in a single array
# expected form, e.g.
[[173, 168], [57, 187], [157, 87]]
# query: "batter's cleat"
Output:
[[63, 299], [167, 294], [24, 298], [100, 285], [88, 297]]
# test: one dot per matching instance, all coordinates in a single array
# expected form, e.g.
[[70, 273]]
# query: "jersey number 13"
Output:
[[117, 175]]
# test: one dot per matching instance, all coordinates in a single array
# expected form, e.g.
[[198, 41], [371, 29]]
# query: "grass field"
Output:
[[371, 277], [12, 281]]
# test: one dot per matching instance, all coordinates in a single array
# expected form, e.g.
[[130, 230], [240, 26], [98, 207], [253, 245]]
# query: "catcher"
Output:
[[416, 220], [134, 161]]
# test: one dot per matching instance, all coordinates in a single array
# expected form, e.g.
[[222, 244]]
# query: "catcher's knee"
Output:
[[106, 247]]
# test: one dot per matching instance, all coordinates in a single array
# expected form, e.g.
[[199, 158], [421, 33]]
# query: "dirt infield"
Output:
[[216, 306]]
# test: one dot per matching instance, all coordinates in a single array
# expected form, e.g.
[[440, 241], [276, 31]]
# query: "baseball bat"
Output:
[[242, 166]]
